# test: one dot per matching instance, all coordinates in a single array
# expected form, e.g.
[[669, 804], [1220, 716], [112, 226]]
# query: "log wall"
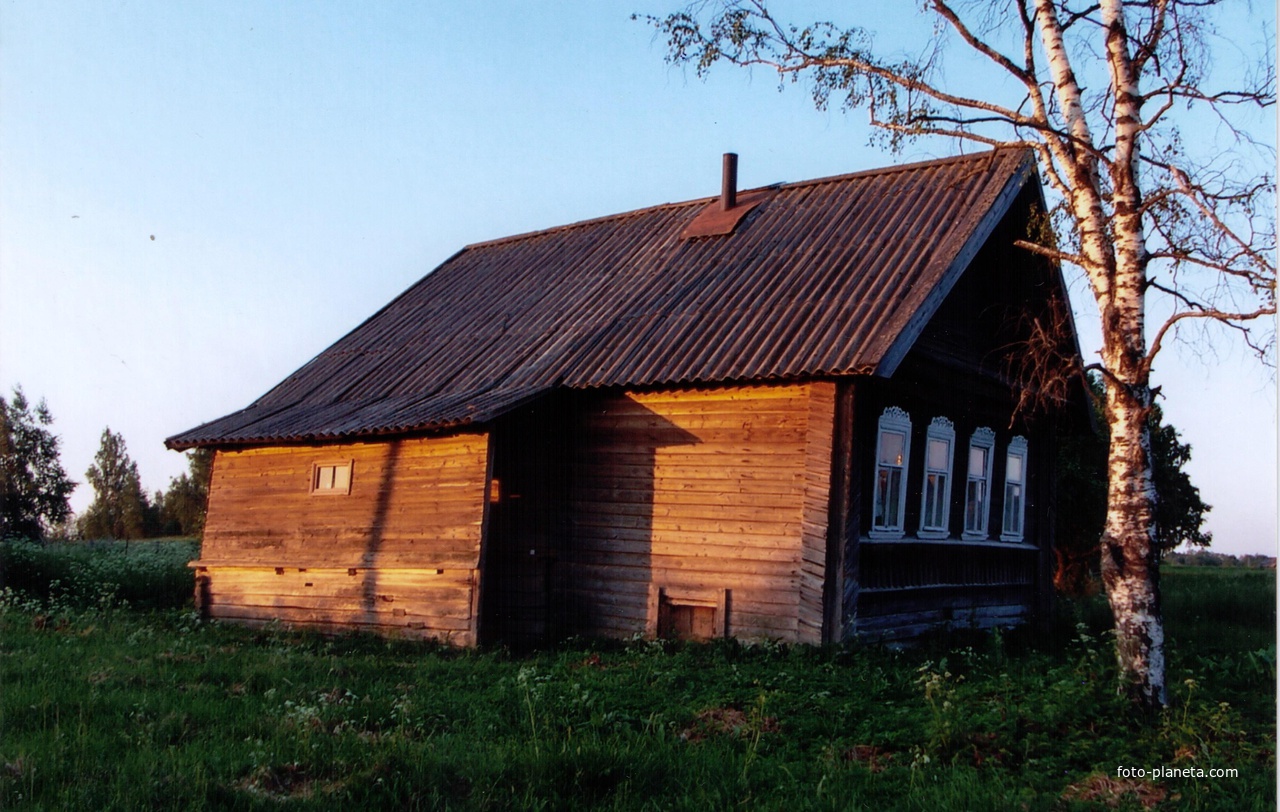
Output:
[[707, 498], [911, 585], [401, 550]]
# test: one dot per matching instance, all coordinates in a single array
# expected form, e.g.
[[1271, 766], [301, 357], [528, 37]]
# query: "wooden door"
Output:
[[526, 526]]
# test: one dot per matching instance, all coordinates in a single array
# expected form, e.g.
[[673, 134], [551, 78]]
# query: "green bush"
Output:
[[83, 575]]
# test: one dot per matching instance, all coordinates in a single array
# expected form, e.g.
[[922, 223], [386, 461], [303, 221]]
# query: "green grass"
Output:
[[114, 708], [1221, 608]]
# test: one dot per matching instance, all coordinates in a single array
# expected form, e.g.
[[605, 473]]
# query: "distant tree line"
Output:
[[121, 508], [1204, 558], [35, 490]]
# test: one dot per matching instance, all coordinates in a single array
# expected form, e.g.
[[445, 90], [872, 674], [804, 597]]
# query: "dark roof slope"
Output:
[[827, 277]]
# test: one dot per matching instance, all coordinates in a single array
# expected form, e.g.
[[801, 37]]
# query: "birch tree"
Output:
[[1101, 92]]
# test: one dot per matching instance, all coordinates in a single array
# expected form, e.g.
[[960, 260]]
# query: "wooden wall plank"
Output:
[[699, 491], [398, 551], [820, 422], [419, 603]]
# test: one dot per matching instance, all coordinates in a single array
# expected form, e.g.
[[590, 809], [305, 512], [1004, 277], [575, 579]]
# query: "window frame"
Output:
[[893, 420], [1017, 448], [316, 468], [984, 438], [939, 429]]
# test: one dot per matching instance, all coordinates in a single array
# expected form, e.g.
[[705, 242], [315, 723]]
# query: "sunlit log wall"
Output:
[[712, 500], [399, 551]]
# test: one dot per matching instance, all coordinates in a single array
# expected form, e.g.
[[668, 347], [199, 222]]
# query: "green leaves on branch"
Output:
[[1082, 495]]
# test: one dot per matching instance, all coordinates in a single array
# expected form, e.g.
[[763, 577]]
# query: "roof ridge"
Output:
[[588, 222], [990, 154]]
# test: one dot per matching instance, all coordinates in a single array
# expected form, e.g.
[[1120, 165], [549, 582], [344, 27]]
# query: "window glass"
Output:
[[975, 506], [891, 447], [889, 487], [935, 505], [342, 477], [977, 461], [939, 451], [1014, 469], [1013, 508]]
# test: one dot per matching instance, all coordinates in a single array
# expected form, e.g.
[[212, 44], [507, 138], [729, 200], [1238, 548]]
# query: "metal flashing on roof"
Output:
[[716, 221]]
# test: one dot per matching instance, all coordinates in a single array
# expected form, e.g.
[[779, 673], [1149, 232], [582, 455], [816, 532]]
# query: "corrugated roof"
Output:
[[823, 278]]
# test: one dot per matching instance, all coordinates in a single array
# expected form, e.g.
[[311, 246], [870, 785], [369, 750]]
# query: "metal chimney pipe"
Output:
[[729, 182]]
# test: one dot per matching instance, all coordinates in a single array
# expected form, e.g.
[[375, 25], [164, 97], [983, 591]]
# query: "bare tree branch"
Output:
[[1229, 319], [1051, 253]]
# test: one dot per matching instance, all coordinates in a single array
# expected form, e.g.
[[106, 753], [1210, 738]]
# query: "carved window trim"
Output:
[[1015, 491], [977, 487], [889, 485], [935, 480]]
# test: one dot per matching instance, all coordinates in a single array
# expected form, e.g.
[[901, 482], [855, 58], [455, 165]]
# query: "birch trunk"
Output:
[[1116, 262], [1130, 569]]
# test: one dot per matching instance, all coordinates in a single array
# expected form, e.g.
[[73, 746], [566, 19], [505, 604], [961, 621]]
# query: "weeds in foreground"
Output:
[[74, 576], [110, 707]]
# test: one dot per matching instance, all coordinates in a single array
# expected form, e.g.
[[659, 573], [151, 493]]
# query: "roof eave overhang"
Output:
[[479, 421], [906, 338]]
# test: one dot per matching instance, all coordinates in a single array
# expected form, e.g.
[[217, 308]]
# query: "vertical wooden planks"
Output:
[[840, 593]]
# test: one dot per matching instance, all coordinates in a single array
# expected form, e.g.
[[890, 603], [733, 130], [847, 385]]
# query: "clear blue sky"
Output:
[[198, 197]]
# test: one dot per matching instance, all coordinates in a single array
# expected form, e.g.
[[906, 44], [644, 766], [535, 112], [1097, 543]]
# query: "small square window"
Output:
[[331, 478]]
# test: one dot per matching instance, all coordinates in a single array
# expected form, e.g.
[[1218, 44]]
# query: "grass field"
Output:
[[106, 706]]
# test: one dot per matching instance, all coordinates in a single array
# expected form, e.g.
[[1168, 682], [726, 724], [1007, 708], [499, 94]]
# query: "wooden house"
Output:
[[783, 413]]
